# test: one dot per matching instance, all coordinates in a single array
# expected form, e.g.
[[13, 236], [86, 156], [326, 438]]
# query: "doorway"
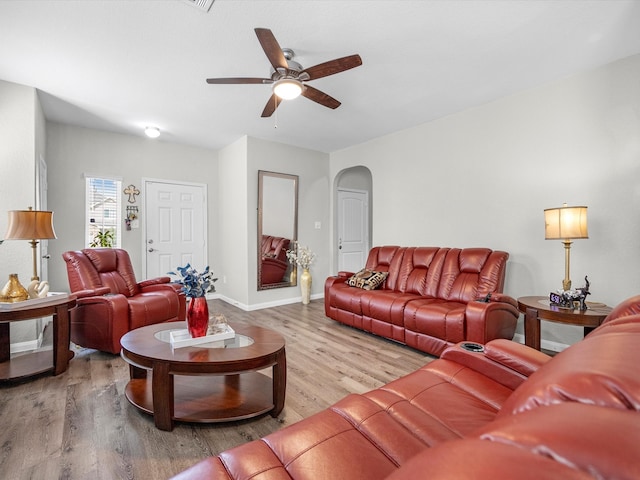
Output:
[[175, 226], [352, 241], [353, 229]]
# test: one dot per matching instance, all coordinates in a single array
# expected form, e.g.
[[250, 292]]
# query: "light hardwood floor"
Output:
[[79, 425]]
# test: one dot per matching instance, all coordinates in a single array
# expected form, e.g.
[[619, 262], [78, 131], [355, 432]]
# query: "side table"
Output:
[[56, 305], [539, 308]]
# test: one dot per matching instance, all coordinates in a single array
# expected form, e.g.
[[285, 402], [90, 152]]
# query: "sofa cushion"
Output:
[[367, 279], [597, 440], [591, 372], [466, 460], [472, 273]]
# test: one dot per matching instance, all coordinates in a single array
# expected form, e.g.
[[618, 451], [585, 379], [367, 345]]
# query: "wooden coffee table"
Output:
[[205, 383]]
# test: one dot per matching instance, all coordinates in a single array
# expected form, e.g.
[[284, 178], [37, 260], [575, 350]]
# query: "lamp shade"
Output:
[[565, 223], [30, 225]]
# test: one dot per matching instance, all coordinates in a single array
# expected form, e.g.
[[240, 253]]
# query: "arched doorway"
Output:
[[353, 188]]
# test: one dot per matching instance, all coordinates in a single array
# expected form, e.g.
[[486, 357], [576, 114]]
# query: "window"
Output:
[[103, 209]]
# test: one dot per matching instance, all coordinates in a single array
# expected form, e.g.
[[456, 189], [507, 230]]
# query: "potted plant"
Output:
[[195, 286], [104, 238]]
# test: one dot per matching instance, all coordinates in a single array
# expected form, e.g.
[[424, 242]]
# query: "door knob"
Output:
[[151, 250]]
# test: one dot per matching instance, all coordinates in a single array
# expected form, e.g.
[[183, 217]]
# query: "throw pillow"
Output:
[[367, 279]]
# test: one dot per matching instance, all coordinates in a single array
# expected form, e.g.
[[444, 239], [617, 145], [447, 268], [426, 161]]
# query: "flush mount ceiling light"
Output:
[[152, 132], [287, 88]]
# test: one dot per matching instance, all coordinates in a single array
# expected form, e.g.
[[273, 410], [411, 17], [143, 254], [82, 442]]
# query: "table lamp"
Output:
[[565, 223], [32, 225]]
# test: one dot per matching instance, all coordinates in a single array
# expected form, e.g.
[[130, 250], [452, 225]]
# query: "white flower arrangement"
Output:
[[302, 256]]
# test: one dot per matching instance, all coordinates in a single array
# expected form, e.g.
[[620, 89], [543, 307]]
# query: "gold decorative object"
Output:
[[13, 291], [565, 223], [32, 225], [305, 286]]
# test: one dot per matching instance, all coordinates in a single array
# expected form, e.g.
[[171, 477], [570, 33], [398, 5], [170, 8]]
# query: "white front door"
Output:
[[175, 226], [353, 229]]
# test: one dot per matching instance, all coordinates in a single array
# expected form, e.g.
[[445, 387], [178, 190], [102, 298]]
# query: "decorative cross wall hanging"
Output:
[[132, 191]]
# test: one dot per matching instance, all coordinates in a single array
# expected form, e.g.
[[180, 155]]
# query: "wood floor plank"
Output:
[[79, 425]]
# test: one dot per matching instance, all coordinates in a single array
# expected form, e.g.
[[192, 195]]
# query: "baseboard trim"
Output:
[[29, 345], [260, 306]]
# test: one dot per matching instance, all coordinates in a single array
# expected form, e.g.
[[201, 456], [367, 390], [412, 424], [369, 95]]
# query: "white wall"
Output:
[[233, 271], [17, 172], [74, 151], [20, 137], [484, 176], [312, 169]]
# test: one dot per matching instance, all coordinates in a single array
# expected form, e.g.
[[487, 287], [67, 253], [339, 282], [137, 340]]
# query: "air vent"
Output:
[[203, 5]]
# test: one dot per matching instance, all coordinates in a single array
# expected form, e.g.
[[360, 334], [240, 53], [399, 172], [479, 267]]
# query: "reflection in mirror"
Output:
[[277, 228]]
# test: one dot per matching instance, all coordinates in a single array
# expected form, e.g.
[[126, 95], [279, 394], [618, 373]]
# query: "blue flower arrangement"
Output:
[[194, 284]]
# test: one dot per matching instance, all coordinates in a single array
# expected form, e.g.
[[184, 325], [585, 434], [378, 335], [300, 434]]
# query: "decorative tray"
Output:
[[182, 338]]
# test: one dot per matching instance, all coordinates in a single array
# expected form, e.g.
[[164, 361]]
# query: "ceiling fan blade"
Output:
[[271, 48], [238, 80], [272, 104], [333, 66], [320, 97]]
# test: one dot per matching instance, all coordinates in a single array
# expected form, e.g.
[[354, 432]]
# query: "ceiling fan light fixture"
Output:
[[287, 88], [152, 132]]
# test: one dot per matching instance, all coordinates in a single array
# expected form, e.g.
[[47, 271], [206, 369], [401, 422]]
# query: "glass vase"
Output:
[[198, 317]]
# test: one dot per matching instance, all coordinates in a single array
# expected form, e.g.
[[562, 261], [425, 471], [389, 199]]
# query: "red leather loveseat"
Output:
[[505, 412], [429, 297]]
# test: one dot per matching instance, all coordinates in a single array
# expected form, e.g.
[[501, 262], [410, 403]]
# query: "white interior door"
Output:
[[175, 226], [353, 229]]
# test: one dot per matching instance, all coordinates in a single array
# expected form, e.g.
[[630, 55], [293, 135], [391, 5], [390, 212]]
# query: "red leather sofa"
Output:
[[274, 259], [429, 299], [504, 412], [110, 300]]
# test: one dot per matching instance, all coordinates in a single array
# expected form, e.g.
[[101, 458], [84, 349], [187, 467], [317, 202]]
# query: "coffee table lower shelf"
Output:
[[209, 399]]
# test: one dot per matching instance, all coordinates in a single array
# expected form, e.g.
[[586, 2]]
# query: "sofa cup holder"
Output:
[[472, 347]]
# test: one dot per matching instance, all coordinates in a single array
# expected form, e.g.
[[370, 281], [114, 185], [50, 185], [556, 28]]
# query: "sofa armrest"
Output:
[[342, 277], [154, 281], [503, 361], [100, 321], [494, 317], [518, 357], [93, 292], [172, 287], [211, 467]]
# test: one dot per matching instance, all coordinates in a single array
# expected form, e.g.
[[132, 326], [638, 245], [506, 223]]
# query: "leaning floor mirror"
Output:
[[277, 228]]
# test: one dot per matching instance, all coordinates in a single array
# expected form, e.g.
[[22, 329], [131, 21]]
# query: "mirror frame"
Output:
[[262, 175]]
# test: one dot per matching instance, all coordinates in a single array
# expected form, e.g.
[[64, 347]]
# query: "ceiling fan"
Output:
[[289, 78]]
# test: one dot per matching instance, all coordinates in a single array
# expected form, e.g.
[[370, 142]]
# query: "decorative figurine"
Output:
[[568, 298]]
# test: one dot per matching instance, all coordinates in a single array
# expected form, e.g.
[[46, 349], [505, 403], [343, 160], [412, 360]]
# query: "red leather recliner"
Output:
[[274, 258], [110, 300]]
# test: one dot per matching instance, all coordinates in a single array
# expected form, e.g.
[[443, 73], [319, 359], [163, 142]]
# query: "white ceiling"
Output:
[[120, 65]]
